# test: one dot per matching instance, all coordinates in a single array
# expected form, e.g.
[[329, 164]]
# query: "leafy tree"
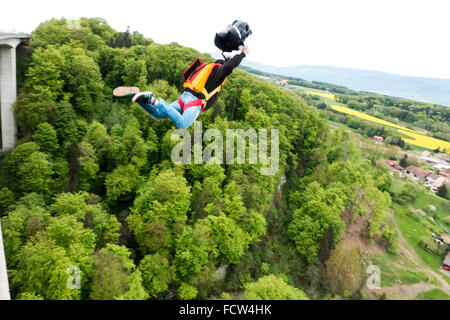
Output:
[[43, 269], [122, 39], [88, 166], [29, 296], [6, 199], [44, 78], [78, 241], [26, 217], [35, 174], [272, 287], [192, 251], [156, 275], [130, 147], [206, 197], [404, 161], [99, 139], [378, 209], [230, 239], [66, 125], [111, 275], [46, 137], [160, 210], [343, 269], [320, 210], [136, 290], [105, 226], [161, 88], [110, 279], [442, 192], [12, 162], [135, 73], [408, 194], [384, 182], [50, 32], [44, 260], [122, 183], [187, 291], [252, 222], [82, 77]]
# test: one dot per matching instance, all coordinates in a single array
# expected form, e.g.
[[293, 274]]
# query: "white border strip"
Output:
[[4, 286]]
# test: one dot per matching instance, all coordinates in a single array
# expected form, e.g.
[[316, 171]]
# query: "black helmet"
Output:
[[233, 37], [243, 29]]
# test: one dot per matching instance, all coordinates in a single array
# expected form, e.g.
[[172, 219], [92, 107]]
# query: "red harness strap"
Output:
[[193, 103]]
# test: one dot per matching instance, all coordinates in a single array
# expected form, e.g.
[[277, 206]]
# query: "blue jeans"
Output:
[[183, 120]]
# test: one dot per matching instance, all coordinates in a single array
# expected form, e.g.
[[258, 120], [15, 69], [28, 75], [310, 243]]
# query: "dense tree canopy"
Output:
[[91, 183]]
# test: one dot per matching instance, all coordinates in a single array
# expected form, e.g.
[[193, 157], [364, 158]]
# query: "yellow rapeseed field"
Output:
[[322, 94], [413, 137]]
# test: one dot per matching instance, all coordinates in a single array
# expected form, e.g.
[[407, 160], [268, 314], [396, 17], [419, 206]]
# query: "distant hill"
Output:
[[431, 90]]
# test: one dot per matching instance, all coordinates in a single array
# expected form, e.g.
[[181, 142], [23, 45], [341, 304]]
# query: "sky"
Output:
[[406, 37]]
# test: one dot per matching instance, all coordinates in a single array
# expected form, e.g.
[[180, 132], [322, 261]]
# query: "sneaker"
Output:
[[128, 92], [144, 97]]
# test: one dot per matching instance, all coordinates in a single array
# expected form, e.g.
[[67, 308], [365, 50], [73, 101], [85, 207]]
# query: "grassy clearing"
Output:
[[435, 294], [328, 98], [424, 199], [413, 230], [388, 275], [395, 270]]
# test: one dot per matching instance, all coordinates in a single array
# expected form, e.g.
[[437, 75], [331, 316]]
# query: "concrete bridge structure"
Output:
[[8, 94], [8, 86]]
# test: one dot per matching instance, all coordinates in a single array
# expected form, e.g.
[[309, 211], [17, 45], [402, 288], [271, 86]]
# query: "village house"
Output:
[[444, 174], [379, 139], [394, 165], [445, 157], [437, 184], [417, 173], [446, 263], [432, 160], [433, 177], [446, 240]]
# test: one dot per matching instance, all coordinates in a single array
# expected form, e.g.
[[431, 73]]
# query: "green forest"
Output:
[[91, 184]]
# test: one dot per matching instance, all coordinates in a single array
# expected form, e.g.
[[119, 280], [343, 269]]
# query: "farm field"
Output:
[[420, 141], [410, 136], [321, 94]]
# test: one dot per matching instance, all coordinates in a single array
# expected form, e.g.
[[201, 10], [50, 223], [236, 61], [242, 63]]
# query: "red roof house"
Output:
[[394, 164], [446, 263], [418, 172]]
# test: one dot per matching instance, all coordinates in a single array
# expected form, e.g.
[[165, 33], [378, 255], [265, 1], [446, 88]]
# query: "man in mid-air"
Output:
[[202, 81]]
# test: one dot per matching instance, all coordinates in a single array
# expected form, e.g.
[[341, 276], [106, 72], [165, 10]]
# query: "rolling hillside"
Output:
[[423, 89]]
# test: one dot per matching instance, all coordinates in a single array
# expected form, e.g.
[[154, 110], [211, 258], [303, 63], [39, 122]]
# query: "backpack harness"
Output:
[[195, 78]]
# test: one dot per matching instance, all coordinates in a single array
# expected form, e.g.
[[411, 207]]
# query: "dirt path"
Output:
[[414, 263], [353, 236], [412, 255], [411, 291]]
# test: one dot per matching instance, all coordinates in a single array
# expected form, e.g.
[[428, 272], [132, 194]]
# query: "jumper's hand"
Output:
[[245, 50]]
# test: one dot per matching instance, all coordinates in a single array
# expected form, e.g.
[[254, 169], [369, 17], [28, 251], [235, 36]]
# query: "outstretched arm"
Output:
[[234, 62]]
